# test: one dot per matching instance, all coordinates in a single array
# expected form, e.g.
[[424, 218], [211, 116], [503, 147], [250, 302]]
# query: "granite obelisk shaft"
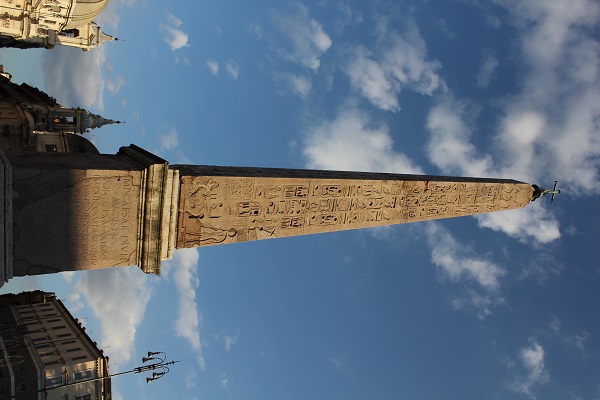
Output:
[[221, 205]]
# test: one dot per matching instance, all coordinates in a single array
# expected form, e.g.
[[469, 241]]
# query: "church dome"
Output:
[[84, 11]]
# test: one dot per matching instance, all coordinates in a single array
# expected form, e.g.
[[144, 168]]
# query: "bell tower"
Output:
[[66, 120]]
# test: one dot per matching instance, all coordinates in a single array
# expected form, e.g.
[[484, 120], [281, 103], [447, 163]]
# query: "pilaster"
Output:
[[6, 223]]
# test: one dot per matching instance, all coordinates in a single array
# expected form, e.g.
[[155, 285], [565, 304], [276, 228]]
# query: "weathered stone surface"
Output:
[[90, 211], [220, 205], [67, 217]]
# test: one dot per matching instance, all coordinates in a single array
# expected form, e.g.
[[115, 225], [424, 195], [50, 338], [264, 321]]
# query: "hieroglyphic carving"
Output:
[[105, 226], [227, 209]]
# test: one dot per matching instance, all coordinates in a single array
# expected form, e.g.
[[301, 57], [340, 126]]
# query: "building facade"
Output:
[[48, 23], [45, 353], [30, 120]]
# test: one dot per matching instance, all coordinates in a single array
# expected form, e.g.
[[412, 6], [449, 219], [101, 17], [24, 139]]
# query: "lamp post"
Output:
[[158, 356]]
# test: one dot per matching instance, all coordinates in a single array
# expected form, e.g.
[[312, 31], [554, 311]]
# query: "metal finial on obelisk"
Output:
[[545, 192]]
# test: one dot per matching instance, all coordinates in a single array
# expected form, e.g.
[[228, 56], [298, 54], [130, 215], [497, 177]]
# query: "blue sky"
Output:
[[490, 307]]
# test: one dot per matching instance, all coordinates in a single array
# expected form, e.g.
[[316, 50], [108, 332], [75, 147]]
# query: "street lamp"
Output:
[[159, 365]]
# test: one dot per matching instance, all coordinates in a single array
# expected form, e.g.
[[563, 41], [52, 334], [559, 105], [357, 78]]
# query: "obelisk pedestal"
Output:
[[88, 211]]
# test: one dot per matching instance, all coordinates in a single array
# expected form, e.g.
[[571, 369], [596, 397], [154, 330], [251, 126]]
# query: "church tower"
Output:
[[30, 120], [48, 23]]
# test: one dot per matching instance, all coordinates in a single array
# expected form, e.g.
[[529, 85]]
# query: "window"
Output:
[[80, 375], [64, 335], [71, 32], [55, 362], [73, 349], [50, 315], [51, 148], [68, 342], [79, 358], [54, 328], [87, 396], [54, 381], [54, 320], [42, 345]]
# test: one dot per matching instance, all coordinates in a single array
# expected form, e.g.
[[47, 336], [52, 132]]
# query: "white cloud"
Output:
[[449, 148], [480, 278], [532, 359], [345, 16], [224, 381], [73, 302], [191, 379], [488, 66], [352, 141], [561, 88], [118, 298], [340, 365], [169, 139], [370, 79], [213, 66], [297, 84], [110, 16], [534, 221], [307, 38], [336, 363], [230, 341], [443, 26], [550, 129], [68, 276], [75, 77], [173, 20], [480, 303], [576, 340], [456, 262], [114, 85], [399, 61], [183, 267], [172, 34], [233, 69]]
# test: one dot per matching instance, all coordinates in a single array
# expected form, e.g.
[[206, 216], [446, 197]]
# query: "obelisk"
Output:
[[221, 205], [67, 211]]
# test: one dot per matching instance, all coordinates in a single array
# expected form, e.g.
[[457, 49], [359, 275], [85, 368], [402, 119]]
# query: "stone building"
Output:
[[47, 23], [45, 353], [30, 120]]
